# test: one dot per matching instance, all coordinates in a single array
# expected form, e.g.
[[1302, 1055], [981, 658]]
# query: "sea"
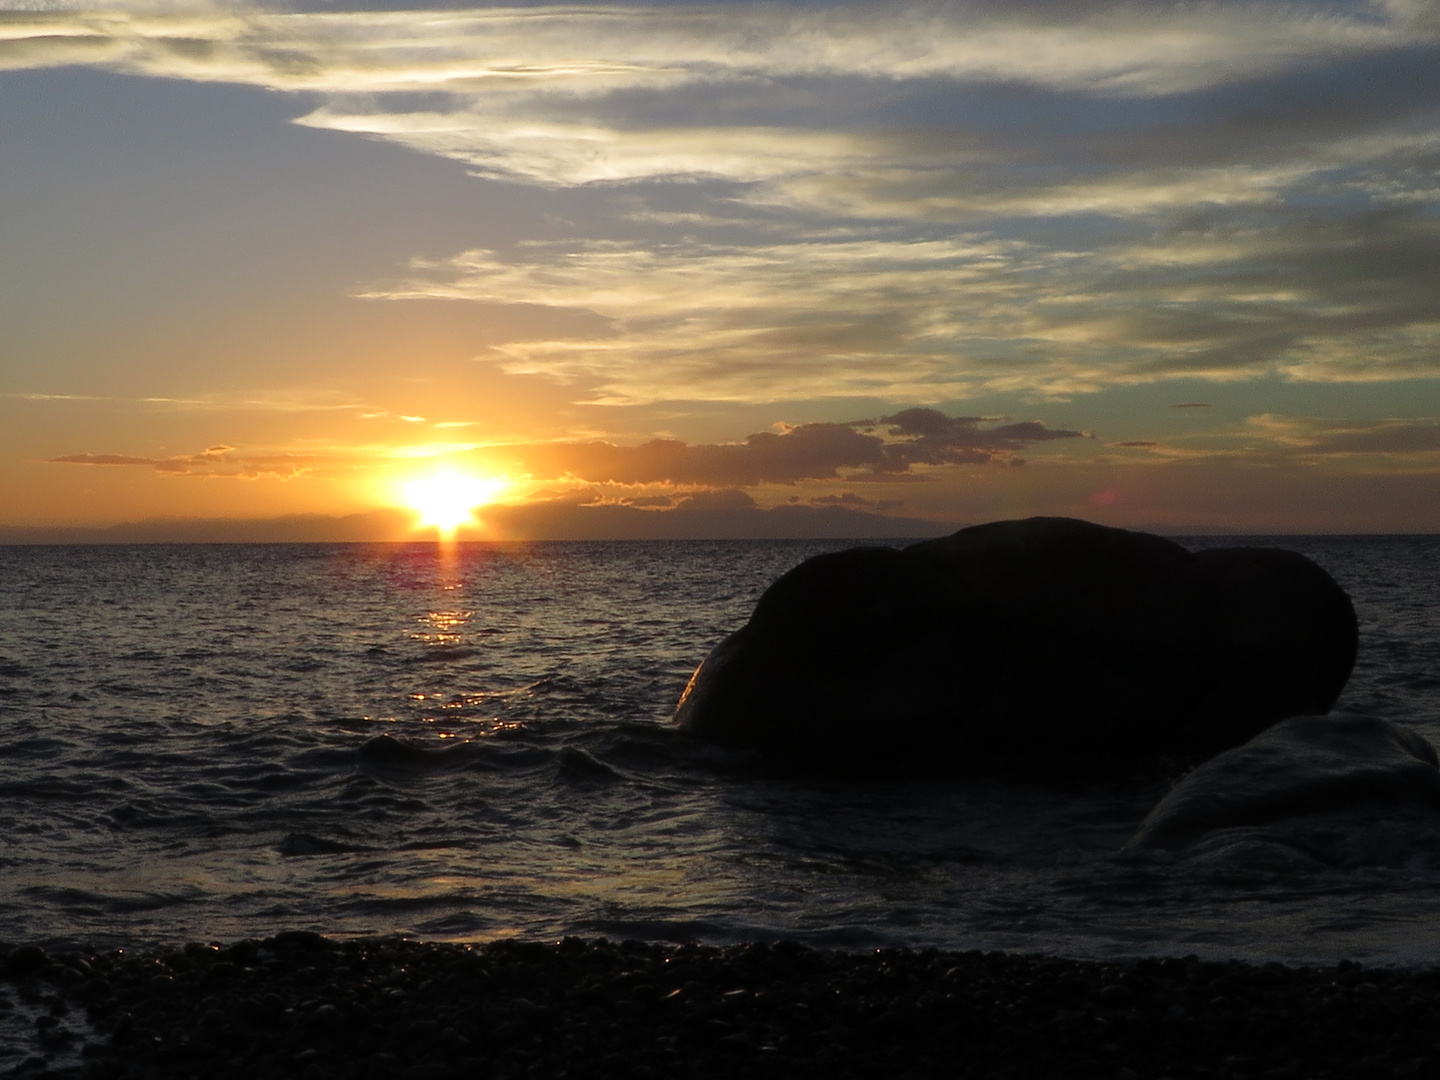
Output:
[[467, 743]]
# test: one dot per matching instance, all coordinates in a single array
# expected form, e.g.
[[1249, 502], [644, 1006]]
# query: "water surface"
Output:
[[209, 742]]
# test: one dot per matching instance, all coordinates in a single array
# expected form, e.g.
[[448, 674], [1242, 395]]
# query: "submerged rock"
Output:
[[1308, 785], [1039, 641]]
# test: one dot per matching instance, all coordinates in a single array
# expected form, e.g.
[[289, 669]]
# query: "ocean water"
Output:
[[213, 742]]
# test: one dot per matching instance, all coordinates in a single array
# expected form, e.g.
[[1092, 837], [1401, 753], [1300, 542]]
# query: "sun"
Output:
[[446, 500]]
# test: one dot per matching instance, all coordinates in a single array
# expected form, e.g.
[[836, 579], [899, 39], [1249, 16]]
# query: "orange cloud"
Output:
[[816, 451], [216, 460], [851, 450]]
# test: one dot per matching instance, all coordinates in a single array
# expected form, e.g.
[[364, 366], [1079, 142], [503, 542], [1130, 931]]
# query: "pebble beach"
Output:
[[302, 1005]]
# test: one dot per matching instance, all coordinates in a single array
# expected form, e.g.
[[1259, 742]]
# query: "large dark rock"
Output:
[[848, 655], [1037, 641]]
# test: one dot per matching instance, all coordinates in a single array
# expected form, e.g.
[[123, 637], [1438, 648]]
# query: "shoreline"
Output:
[[302, 1005]]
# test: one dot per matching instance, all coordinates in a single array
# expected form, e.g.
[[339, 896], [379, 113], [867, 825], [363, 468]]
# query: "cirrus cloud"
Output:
[[219, 460], [906, 204]]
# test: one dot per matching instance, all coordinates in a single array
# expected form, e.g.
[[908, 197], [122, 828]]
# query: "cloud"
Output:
[[1413, 439], [1274, 219], [928, 319], [914, 439], [277, 401], [562, 155], [53, 397], [1325, 446], [932, 438], [1311, 295], [564, 96], [729, 501], [850, 499], [218, 460], [913, 203], [810, 451], [576, 52], [113, 459]]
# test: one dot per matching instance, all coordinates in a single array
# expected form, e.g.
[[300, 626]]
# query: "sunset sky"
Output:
[[1152, 264]]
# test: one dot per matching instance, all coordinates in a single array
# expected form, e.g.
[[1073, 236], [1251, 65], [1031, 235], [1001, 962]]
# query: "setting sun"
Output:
[[446, 500]]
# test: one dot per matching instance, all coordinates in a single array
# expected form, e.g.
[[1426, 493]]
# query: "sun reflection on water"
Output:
[[442, 627]]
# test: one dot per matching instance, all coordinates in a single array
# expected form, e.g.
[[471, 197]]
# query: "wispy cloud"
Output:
[[1043, 199], [1309, 295], [1312, 295], [1117, 48], [1395, 445], [1416, 441], [219, 460], [759, 322], [53, 397], [278, 401]]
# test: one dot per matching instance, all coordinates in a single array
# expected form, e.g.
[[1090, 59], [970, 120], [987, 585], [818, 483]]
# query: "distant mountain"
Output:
[[290, 529], [706, 517]]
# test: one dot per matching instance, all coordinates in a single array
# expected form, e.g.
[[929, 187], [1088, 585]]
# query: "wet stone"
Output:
[[25, 961]]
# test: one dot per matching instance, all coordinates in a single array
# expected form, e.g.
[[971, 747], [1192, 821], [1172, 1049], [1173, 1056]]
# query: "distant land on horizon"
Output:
[[559, 520], [554, 521]]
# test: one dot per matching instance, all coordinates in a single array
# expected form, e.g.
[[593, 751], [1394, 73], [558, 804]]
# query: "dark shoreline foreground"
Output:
[[301, 1005]]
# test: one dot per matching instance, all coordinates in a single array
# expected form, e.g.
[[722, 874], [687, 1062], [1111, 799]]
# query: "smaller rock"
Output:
[[1344, 763], [25, 961], [307, 940]]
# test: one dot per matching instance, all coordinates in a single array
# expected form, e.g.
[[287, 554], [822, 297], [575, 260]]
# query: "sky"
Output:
[[725, 268]]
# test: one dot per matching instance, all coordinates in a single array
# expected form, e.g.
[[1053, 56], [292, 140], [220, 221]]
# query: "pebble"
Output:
[[1116, 995]]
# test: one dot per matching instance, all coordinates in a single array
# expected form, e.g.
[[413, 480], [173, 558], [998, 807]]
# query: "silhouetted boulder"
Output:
[[1037, 640], [1309, 786], [1292, 632], [849, 654]]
